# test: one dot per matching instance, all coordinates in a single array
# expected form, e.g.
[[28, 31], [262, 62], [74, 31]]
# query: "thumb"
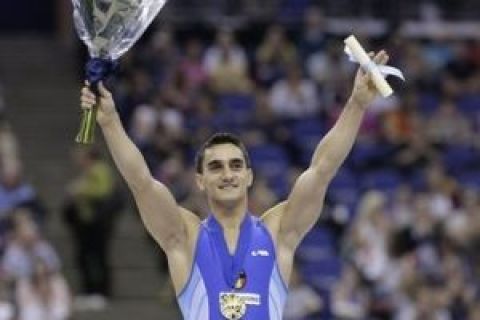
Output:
[[103, 91]]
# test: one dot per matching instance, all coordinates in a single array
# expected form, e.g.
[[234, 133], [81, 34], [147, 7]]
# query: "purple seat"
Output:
[[269, 159], [323, 274], [344, 188], [428, 103], [470, 179], [235, 111], [459, 158], [469, 104], [306, 134], [386, 180]]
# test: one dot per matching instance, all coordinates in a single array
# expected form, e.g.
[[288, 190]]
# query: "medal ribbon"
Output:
[[232, 266]]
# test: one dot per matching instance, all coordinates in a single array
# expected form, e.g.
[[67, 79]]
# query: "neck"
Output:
[[229, 216]]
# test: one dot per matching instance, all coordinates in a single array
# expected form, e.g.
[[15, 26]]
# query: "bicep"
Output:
[[161, 215], [303, 206]]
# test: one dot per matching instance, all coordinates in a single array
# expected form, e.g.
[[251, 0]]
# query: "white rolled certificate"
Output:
[[364, 60]]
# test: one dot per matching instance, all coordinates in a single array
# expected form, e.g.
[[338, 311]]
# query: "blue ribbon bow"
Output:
[[99, 69]]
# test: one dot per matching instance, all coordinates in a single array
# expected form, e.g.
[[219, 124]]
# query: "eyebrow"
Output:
[[213, 162], [217, 162], [237, 160]]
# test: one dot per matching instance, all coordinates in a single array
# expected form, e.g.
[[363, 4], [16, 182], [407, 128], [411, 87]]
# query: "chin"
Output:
[[230, 200]]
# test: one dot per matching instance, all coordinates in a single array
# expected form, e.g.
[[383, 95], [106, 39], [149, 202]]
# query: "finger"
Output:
[[381, 57], [102, 90], [88, 93], [86, 106], [88, 100], [385, 59]]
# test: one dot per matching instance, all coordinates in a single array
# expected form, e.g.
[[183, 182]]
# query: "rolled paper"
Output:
[[364, 60]]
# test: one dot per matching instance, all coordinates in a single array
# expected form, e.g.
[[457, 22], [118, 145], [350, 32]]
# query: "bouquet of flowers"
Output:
[[108, 28]]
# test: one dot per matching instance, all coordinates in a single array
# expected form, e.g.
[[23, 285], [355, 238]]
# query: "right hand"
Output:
[[106, 106]]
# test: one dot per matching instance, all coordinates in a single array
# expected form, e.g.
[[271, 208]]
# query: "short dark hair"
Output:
[[217, 139]]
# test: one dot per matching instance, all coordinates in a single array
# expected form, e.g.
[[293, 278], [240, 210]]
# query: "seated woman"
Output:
[[44, 295]]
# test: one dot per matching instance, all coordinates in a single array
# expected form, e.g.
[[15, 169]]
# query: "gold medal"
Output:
[[232, 306]]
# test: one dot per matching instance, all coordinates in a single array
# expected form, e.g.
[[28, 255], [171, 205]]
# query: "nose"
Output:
[[227, 174]]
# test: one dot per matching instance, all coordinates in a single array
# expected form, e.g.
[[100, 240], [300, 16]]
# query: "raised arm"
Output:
[[293, 219], [164, 219]]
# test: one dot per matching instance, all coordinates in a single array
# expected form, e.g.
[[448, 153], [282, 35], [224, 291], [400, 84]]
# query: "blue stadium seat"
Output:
[[386, 180], [269, 159], [279, 185], [323, 274], [458, 158], [241, 102], [235, 111], [470, 179], [344, 188], [469, 104], [319, 244], [417, 180], [428, 103], [364, 153], [306, 134]]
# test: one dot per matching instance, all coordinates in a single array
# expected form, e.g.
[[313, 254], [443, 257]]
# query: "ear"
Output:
[[199, 181], [250, 178]]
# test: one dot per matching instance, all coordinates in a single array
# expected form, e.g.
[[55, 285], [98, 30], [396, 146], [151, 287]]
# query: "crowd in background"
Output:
[[398, 236], [32, 286]]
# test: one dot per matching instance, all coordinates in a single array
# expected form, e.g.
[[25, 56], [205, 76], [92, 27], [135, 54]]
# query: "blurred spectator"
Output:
[[175, 93], [413, 63], [89, 210], [273, 55], [43, 296], [9, 153], [143, 124], [17, 193], [331, 71], [441, 190], [447, 126], [191, 66], [7, 308], [474, 313], [162, 57], [314, 34], [350, 300], [25, 247], [260, 10], [370, 237], [294, 97], [302, 301], [226, 65]]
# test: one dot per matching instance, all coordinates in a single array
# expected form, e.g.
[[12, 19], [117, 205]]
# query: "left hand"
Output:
[[364, 90]]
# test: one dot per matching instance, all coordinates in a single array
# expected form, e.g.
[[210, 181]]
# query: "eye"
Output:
[[214, 166], [236, 165]]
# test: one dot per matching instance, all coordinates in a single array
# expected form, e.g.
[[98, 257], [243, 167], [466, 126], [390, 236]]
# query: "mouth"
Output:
[[228, 187]]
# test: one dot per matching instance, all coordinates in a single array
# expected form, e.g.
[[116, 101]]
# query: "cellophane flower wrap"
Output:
[[108, 28]]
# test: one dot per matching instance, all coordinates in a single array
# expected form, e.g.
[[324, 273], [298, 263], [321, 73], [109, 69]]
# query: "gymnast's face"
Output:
[[225, 178]]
